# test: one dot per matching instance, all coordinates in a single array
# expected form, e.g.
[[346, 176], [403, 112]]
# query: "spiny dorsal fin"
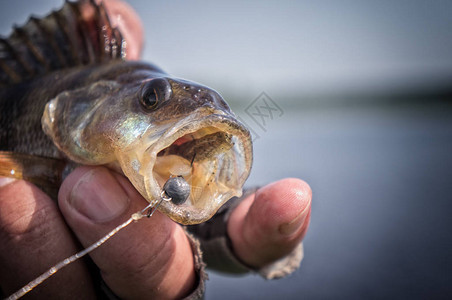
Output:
[[80, 33]]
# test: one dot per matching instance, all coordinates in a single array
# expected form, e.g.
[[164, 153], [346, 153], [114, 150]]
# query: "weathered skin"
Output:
[[94, 114]]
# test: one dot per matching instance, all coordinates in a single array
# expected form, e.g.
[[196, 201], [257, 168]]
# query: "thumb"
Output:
[[269, 224], [150, 258]]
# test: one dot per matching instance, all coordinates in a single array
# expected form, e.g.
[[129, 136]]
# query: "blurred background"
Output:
[[352, 96]]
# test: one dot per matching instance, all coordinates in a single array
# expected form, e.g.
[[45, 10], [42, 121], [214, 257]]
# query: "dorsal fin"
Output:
[[80, 33]]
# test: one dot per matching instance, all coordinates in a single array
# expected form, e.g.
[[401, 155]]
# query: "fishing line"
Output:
[[147, 212]]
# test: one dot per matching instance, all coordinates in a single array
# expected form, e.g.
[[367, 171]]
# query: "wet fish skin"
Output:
[[119, 123], [22, 104], [121, 119]]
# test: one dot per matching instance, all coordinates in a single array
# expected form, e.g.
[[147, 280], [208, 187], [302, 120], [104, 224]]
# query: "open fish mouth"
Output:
[[212, 153]]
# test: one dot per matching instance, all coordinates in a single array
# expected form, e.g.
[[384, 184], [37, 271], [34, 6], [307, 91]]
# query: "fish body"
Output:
[[99, 109]]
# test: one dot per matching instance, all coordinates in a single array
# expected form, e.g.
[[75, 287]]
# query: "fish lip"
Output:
[[199, 119]]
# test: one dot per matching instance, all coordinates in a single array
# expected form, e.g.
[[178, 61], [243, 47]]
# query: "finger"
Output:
[[269, 224], [150, 258], [34, 237]]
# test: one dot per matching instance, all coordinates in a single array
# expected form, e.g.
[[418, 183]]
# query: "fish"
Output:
[[69, 97]]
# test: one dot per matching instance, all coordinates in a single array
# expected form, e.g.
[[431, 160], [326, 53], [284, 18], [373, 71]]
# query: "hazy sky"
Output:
[[286, 46]]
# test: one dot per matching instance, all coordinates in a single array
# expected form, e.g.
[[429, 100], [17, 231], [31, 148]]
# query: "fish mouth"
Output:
[[212, 153]]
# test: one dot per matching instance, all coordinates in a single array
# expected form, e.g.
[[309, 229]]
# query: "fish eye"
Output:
[[154, 92], [149, 99]]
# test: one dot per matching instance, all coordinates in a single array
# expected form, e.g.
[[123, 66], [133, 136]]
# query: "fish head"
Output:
[[157, 128], [191, 132]]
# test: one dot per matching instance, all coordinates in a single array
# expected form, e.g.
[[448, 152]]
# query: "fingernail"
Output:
[[6, 180], [294, 225], [99, 196]]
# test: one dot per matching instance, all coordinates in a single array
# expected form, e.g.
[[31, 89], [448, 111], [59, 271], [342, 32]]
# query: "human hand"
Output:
[[143, 261], [151, 258]]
